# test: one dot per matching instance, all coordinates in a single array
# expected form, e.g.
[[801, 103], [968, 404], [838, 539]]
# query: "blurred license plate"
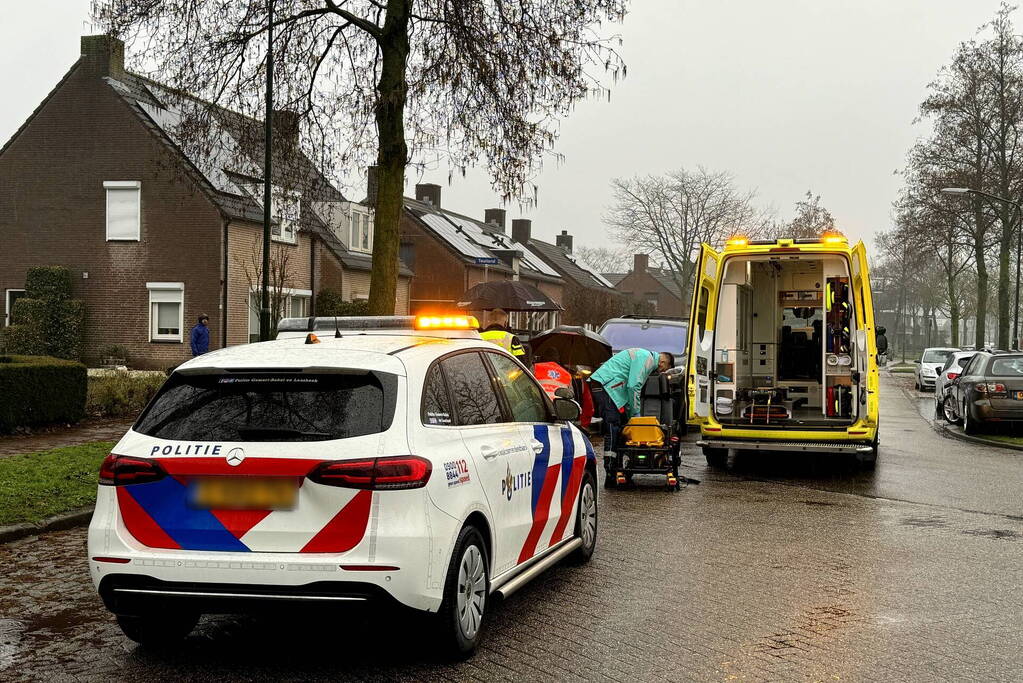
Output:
[[245, 493]]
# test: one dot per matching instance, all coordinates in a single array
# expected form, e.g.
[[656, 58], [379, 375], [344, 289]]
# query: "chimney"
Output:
[[521, 227], [564, 240], [429, 193], [495, 217], [372, 185], [285, 123], [103, 56], [640, 262]]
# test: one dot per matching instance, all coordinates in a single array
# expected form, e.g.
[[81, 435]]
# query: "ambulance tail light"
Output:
[[122, 470], [375, 474]]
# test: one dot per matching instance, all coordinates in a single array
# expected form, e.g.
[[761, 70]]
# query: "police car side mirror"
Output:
[[564, 392], [566, 409]]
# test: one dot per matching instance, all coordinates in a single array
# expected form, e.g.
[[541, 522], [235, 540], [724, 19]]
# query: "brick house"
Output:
[[653, 289], [100, 180], [589, 298], [451, 248]]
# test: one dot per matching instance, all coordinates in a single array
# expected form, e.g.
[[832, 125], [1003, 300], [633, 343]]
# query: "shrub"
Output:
[[48, 282], [120, 393], [329, 302], [47, 322], [38, 390]]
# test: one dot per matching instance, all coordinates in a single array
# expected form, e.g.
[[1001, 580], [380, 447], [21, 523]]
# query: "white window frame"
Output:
[[291, 293], [114, 186], [8, 307], [166, 292], [286, 230], [355, 233]]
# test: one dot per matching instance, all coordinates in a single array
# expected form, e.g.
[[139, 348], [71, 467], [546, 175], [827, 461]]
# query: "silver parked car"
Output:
[[929, 365], [952, 368]]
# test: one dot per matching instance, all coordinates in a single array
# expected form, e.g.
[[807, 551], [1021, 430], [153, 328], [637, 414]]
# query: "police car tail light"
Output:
[[121, 470], [376, 474]]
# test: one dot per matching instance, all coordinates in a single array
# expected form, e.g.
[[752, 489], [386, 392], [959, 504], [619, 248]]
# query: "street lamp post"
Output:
[[264, 298], [1019, 245]]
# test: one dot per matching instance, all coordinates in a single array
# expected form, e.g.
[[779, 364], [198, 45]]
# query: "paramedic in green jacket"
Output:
[[617, 387]]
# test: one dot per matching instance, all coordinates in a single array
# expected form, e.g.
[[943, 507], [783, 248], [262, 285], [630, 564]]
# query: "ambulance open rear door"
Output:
[[700, 344]]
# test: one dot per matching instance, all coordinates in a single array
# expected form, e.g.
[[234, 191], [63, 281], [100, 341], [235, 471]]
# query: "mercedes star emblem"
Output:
[[235, 457]]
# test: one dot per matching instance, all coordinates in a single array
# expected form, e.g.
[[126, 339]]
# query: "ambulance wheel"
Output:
[[716, 457], [586, 520], [462, 613], [158, 630]]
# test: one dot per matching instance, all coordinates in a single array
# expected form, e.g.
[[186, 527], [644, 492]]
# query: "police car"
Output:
[[368, 460]]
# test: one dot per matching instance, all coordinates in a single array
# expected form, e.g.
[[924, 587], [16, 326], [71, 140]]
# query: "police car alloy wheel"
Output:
[[586, 519], [463, 612]]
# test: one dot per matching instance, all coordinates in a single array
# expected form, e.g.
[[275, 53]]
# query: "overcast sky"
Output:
[[788, 95]]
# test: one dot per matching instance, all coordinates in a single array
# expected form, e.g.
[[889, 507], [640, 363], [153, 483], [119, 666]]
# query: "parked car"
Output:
[[952, 368], [653, 333], [929, 365], [990, 389]]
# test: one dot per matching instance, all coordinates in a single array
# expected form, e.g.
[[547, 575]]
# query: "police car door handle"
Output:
[[488, 452], [536, 446]]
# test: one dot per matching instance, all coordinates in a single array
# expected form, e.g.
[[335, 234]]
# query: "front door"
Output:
[[701, 334], [499, 452]]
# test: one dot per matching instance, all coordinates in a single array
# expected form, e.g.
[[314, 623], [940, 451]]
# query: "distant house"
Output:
[[102, 180], [451, 252], [589, 298], [653, 289]]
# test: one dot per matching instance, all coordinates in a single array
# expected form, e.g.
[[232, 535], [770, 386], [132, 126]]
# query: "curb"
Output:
[[65, 520], [944, 428]]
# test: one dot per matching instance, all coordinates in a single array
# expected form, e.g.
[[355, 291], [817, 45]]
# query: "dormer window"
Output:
[[360, 229], [286, 209]]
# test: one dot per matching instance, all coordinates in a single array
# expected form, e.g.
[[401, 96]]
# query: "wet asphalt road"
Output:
[[777, 568]]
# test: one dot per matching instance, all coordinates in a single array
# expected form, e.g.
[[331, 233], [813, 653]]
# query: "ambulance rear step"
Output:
[[805, 446]]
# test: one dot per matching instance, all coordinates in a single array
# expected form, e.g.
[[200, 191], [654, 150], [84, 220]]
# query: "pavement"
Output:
[[85, 432], [779, 567]]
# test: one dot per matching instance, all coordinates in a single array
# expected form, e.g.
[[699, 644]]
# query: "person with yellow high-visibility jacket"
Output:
[[507, 341]]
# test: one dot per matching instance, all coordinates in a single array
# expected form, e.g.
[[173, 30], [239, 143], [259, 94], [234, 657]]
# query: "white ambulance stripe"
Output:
[[288, 531]]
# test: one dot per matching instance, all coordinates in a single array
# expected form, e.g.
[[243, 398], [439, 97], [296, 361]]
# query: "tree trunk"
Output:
[[982, 281], [392, 156], [1004, 296]]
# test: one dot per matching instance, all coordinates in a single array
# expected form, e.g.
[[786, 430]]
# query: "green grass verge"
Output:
[[35, 486]]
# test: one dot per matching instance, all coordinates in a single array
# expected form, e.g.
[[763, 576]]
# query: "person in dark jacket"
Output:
[[200, 336]]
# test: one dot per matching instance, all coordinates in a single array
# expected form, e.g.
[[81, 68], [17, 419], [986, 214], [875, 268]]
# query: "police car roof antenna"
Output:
[[337, 330]]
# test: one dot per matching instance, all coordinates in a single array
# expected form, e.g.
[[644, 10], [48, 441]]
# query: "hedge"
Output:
[[46, 322], [329, 302], [39, 390]]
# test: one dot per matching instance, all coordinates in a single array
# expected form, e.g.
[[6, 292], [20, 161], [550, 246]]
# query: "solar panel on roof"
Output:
[[589, 269], [459, 240], [499, 240]]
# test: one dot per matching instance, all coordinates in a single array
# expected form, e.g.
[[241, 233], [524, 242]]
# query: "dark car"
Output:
[[652, 333], [990, 390]]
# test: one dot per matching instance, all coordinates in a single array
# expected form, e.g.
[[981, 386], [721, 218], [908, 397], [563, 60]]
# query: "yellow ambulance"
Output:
[[782, 353]]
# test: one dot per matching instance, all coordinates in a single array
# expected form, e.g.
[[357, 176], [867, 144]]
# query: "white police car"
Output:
[[378, 462]]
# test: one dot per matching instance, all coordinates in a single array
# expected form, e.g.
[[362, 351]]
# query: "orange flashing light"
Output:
[[312, 339], [447, 322], [736, 242], [834, 238]]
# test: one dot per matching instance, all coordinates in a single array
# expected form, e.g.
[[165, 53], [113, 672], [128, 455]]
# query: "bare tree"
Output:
[[670, 216], [605, 259], [812, 219], [397, 81], [281, 275]]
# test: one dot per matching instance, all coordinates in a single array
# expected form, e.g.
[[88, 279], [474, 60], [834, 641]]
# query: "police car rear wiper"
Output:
[[272, 433]]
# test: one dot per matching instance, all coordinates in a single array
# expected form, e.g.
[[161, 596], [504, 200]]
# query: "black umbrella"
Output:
[[511, 295], [574, 346]]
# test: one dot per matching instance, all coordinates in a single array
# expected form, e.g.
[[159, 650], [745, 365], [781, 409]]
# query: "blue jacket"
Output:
[[623, 376], [200, 339]]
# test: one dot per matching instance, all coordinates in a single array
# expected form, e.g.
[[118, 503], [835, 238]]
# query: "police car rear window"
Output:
[[271, 407]]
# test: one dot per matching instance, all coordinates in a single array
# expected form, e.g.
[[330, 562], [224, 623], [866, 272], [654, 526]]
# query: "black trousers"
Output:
[[608, 412]]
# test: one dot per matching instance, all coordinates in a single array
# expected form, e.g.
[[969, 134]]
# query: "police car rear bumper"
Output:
[[133, 594]]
